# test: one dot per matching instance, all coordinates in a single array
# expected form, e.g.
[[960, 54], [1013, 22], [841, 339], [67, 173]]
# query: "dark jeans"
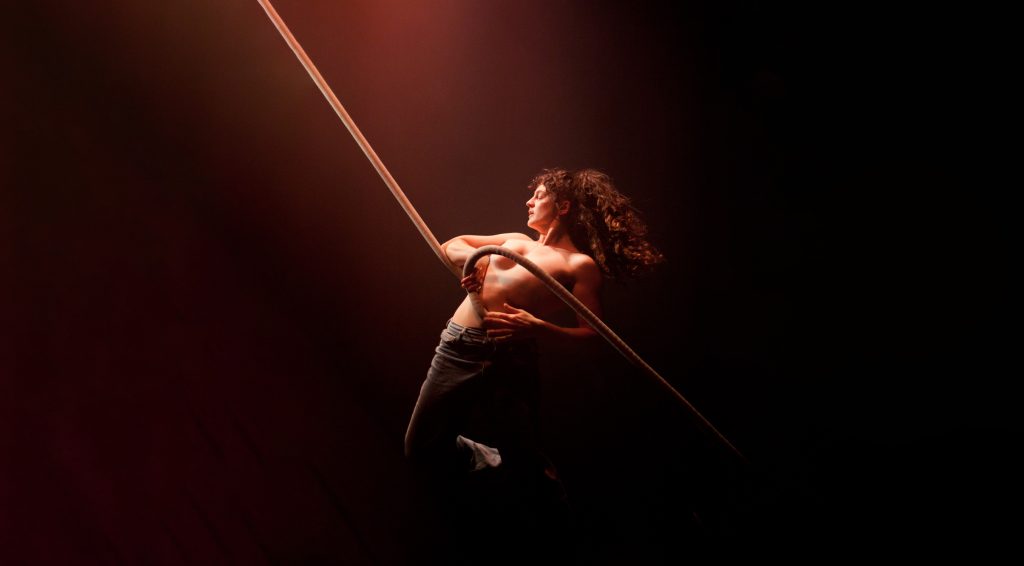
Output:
[[482, 391], [499, 486]]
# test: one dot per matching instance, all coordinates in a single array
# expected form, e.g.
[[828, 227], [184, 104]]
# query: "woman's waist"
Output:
[[476, 337]]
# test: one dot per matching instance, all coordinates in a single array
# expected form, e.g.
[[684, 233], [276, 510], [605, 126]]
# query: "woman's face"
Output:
[[542, 209]]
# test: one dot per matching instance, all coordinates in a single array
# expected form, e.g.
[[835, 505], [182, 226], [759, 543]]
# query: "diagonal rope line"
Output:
[[403, 201], [596, 323]]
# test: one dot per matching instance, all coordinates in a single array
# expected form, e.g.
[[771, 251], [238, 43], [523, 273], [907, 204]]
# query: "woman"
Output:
[[476, 416]]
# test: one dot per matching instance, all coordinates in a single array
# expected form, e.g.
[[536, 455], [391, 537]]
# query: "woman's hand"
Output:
[[514, 324], [474, 282]]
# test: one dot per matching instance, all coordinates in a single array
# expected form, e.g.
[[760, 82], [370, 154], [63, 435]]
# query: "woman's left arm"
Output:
[[518, 323]]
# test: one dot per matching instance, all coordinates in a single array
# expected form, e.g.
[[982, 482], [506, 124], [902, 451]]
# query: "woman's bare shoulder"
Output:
[[583, 264], [517, 236]]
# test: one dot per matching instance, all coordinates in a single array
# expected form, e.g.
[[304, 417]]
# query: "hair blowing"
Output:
[[601, 221]]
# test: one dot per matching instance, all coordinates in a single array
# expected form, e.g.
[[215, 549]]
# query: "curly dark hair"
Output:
[[601, 222]]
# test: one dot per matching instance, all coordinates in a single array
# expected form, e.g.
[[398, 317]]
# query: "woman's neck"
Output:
[[556, 236]]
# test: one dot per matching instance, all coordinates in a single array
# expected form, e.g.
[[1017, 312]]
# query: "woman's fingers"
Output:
[[500, 320], [493, 321], [470, 283]]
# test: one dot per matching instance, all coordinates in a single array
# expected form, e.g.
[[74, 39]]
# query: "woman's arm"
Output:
[[517, 323], [459, 248], [588, 290]]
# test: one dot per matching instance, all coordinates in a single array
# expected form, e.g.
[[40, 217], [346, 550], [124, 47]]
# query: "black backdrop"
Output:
[[216, 320]]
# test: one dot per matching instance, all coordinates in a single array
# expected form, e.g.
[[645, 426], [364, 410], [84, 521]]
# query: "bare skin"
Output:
[[518, 304]]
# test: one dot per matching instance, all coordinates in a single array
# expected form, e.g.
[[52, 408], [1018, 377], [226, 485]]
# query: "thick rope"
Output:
[[598, 325], [360, 139], [406, 205]]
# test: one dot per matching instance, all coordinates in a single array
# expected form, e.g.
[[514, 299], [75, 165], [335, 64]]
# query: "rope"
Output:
[[403, 201], [596, 323]]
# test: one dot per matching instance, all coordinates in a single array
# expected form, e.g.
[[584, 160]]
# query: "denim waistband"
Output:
[[469, 334], [478, 337]]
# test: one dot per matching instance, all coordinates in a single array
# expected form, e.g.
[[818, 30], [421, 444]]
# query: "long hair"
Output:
[[601, 221]]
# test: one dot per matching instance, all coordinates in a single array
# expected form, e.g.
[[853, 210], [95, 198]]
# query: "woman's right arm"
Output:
[[459, 248]]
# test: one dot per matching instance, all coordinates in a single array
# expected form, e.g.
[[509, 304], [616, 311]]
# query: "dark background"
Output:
[[215, 319]]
